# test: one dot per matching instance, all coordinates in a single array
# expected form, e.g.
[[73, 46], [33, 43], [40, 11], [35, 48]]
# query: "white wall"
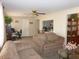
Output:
[[24, 24], [1, 26], [60, 21]]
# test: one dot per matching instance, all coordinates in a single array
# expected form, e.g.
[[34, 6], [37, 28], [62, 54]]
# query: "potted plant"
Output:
[[8, 20]]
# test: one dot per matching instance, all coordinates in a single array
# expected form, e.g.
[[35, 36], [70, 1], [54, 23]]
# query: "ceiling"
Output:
[[41, 5]]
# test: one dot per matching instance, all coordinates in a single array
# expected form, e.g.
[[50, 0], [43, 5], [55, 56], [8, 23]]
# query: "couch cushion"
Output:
[[22, 45], [9, 51], [51, 36], [29, 54], [39, 39]]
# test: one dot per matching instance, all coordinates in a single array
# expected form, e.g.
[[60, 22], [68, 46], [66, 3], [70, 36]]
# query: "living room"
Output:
[[30, 18]]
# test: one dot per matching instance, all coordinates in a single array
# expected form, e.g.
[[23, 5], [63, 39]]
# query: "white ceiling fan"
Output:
[[35, 12]]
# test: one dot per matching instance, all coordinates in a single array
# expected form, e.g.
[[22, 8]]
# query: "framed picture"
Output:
[[48, 25]]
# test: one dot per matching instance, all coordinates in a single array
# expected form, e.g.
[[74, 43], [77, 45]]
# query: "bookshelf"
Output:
[[73, 28]]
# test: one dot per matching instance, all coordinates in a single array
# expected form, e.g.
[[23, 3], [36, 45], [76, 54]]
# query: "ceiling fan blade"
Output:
[[42, 13], [35, 12]]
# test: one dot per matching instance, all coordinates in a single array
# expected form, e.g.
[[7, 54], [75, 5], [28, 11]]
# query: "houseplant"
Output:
[[8, 20]]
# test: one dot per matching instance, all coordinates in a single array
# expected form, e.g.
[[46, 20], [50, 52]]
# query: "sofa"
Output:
[[46, 43], [10, 51]]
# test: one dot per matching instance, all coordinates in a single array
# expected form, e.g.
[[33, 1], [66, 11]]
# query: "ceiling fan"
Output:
[[35, 12]]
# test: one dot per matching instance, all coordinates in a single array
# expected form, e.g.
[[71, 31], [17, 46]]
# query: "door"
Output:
[[25, 27], [33, 27]]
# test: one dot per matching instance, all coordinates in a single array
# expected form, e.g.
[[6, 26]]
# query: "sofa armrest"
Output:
[[9, 51]]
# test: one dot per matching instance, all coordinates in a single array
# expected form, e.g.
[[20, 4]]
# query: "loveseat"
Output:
[[46, 43], [10, 51]]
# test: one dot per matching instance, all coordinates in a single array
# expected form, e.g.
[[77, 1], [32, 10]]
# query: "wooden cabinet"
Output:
[[73, 28]]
